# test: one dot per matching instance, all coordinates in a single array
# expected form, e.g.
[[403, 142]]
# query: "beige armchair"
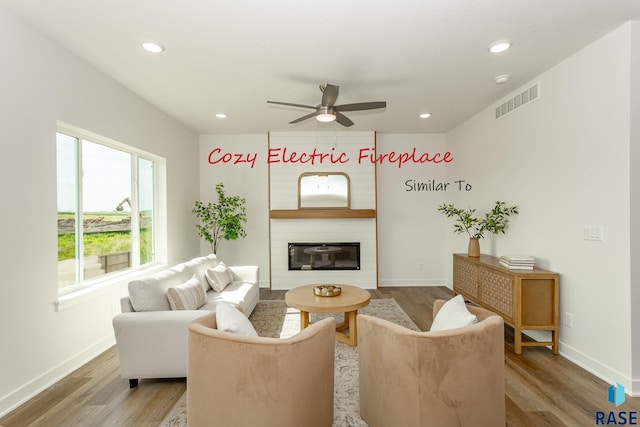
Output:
[[236, 380], [446, 378]]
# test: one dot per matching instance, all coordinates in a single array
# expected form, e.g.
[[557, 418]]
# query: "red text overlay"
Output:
[[284, 155]]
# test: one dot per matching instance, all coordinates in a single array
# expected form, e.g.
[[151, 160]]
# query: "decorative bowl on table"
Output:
[[327, 290]]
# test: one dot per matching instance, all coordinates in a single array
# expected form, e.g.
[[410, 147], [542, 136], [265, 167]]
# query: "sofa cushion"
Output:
[[230, 319], [150, 294], [188, 296], [244, 295], [219, 277], [452, 315], [199, 265]]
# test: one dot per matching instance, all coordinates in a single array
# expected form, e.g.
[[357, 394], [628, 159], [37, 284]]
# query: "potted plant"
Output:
[[495, 221], [222, 220]]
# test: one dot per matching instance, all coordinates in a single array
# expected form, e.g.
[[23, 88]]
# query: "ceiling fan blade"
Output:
[[329, 95], [343, 120], [361, 106], [291, 105], [299, 119]]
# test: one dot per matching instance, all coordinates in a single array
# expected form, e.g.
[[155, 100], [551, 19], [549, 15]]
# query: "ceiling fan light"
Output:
[[325, 117], [325, 114]]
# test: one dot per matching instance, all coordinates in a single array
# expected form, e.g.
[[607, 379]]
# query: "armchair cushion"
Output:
[[230, 319], [452, 315]]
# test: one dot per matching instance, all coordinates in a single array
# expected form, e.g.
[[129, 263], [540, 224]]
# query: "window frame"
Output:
[[158, 233]]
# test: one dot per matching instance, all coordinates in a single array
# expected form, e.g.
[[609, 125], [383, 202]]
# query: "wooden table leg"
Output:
[[344, 325], [349, 322], [304, 319]]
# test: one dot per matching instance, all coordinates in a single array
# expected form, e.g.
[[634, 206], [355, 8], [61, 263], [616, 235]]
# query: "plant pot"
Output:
[[474, 248]]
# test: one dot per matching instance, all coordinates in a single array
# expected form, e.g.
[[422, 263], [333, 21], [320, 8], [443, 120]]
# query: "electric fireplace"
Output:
[[324, 256]]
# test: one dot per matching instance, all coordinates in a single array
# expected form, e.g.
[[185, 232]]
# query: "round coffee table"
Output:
[[348, 302]]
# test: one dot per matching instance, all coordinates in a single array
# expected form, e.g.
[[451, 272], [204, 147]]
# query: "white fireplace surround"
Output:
[[283, 182]]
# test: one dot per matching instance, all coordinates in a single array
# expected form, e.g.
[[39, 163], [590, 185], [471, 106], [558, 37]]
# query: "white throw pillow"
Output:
[[188, 296], [219, 277], [452, 315], [230, 319]]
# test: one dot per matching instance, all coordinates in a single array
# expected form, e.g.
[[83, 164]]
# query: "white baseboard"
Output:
[[19, 396], [604, 372]]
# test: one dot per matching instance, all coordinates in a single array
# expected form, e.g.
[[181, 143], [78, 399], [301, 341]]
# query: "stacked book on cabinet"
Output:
[[517, 262]]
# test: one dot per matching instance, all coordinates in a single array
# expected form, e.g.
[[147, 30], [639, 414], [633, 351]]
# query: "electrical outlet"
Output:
[[568, 320], [420, 267], [593, 233]]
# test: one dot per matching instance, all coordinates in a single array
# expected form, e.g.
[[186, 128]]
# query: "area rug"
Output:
[[274, 319]]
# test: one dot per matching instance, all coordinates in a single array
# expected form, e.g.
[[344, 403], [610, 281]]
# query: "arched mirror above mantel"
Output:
[[323, 190]]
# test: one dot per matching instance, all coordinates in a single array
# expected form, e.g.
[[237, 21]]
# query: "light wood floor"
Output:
[[541, 389]]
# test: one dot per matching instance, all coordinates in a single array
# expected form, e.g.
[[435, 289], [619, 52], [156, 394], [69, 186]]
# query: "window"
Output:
[[106, 208]]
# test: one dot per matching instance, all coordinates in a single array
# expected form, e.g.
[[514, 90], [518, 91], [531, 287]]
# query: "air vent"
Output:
[[530, 94]]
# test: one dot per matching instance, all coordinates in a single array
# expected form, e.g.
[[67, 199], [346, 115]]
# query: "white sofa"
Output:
[[152, 338]]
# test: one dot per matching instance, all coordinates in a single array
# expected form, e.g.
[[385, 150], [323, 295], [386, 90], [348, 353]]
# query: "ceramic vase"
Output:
[[474, 248]]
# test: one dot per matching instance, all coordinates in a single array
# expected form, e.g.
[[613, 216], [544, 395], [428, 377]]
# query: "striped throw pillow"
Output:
[[188, 296], [219, 277]]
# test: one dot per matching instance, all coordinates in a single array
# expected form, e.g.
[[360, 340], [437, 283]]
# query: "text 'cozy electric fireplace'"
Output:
[[324, 256]]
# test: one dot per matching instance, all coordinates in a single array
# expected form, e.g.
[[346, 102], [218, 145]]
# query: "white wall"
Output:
[[248, 180], [40, 83], [564, 160], [411, 232]]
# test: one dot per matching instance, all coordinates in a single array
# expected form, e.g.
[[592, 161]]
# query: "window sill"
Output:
[[90, 292]]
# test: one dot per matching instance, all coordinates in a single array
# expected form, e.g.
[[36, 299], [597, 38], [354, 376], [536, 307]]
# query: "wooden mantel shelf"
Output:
[[322, 213]]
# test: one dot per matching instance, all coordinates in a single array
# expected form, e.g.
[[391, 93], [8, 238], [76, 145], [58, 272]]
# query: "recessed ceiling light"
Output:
[[152, 47], [425, 115], [221, 115], [499, 46], [502, 79]]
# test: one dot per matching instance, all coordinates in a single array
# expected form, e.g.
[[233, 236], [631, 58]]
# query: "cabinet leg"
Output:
[[517, 341], [554, 346]]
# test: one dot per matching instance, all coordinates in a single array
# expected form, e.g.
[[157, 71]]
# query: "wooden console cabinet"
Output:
[[526, 299]]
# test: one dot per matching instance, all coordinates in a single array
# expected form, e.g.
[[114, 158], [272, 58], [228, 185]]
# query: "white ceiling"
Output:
[[233, 55]]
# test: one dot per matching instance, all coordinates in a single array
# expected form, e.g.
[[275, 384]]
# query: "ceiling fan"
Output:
[[327, 111]]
